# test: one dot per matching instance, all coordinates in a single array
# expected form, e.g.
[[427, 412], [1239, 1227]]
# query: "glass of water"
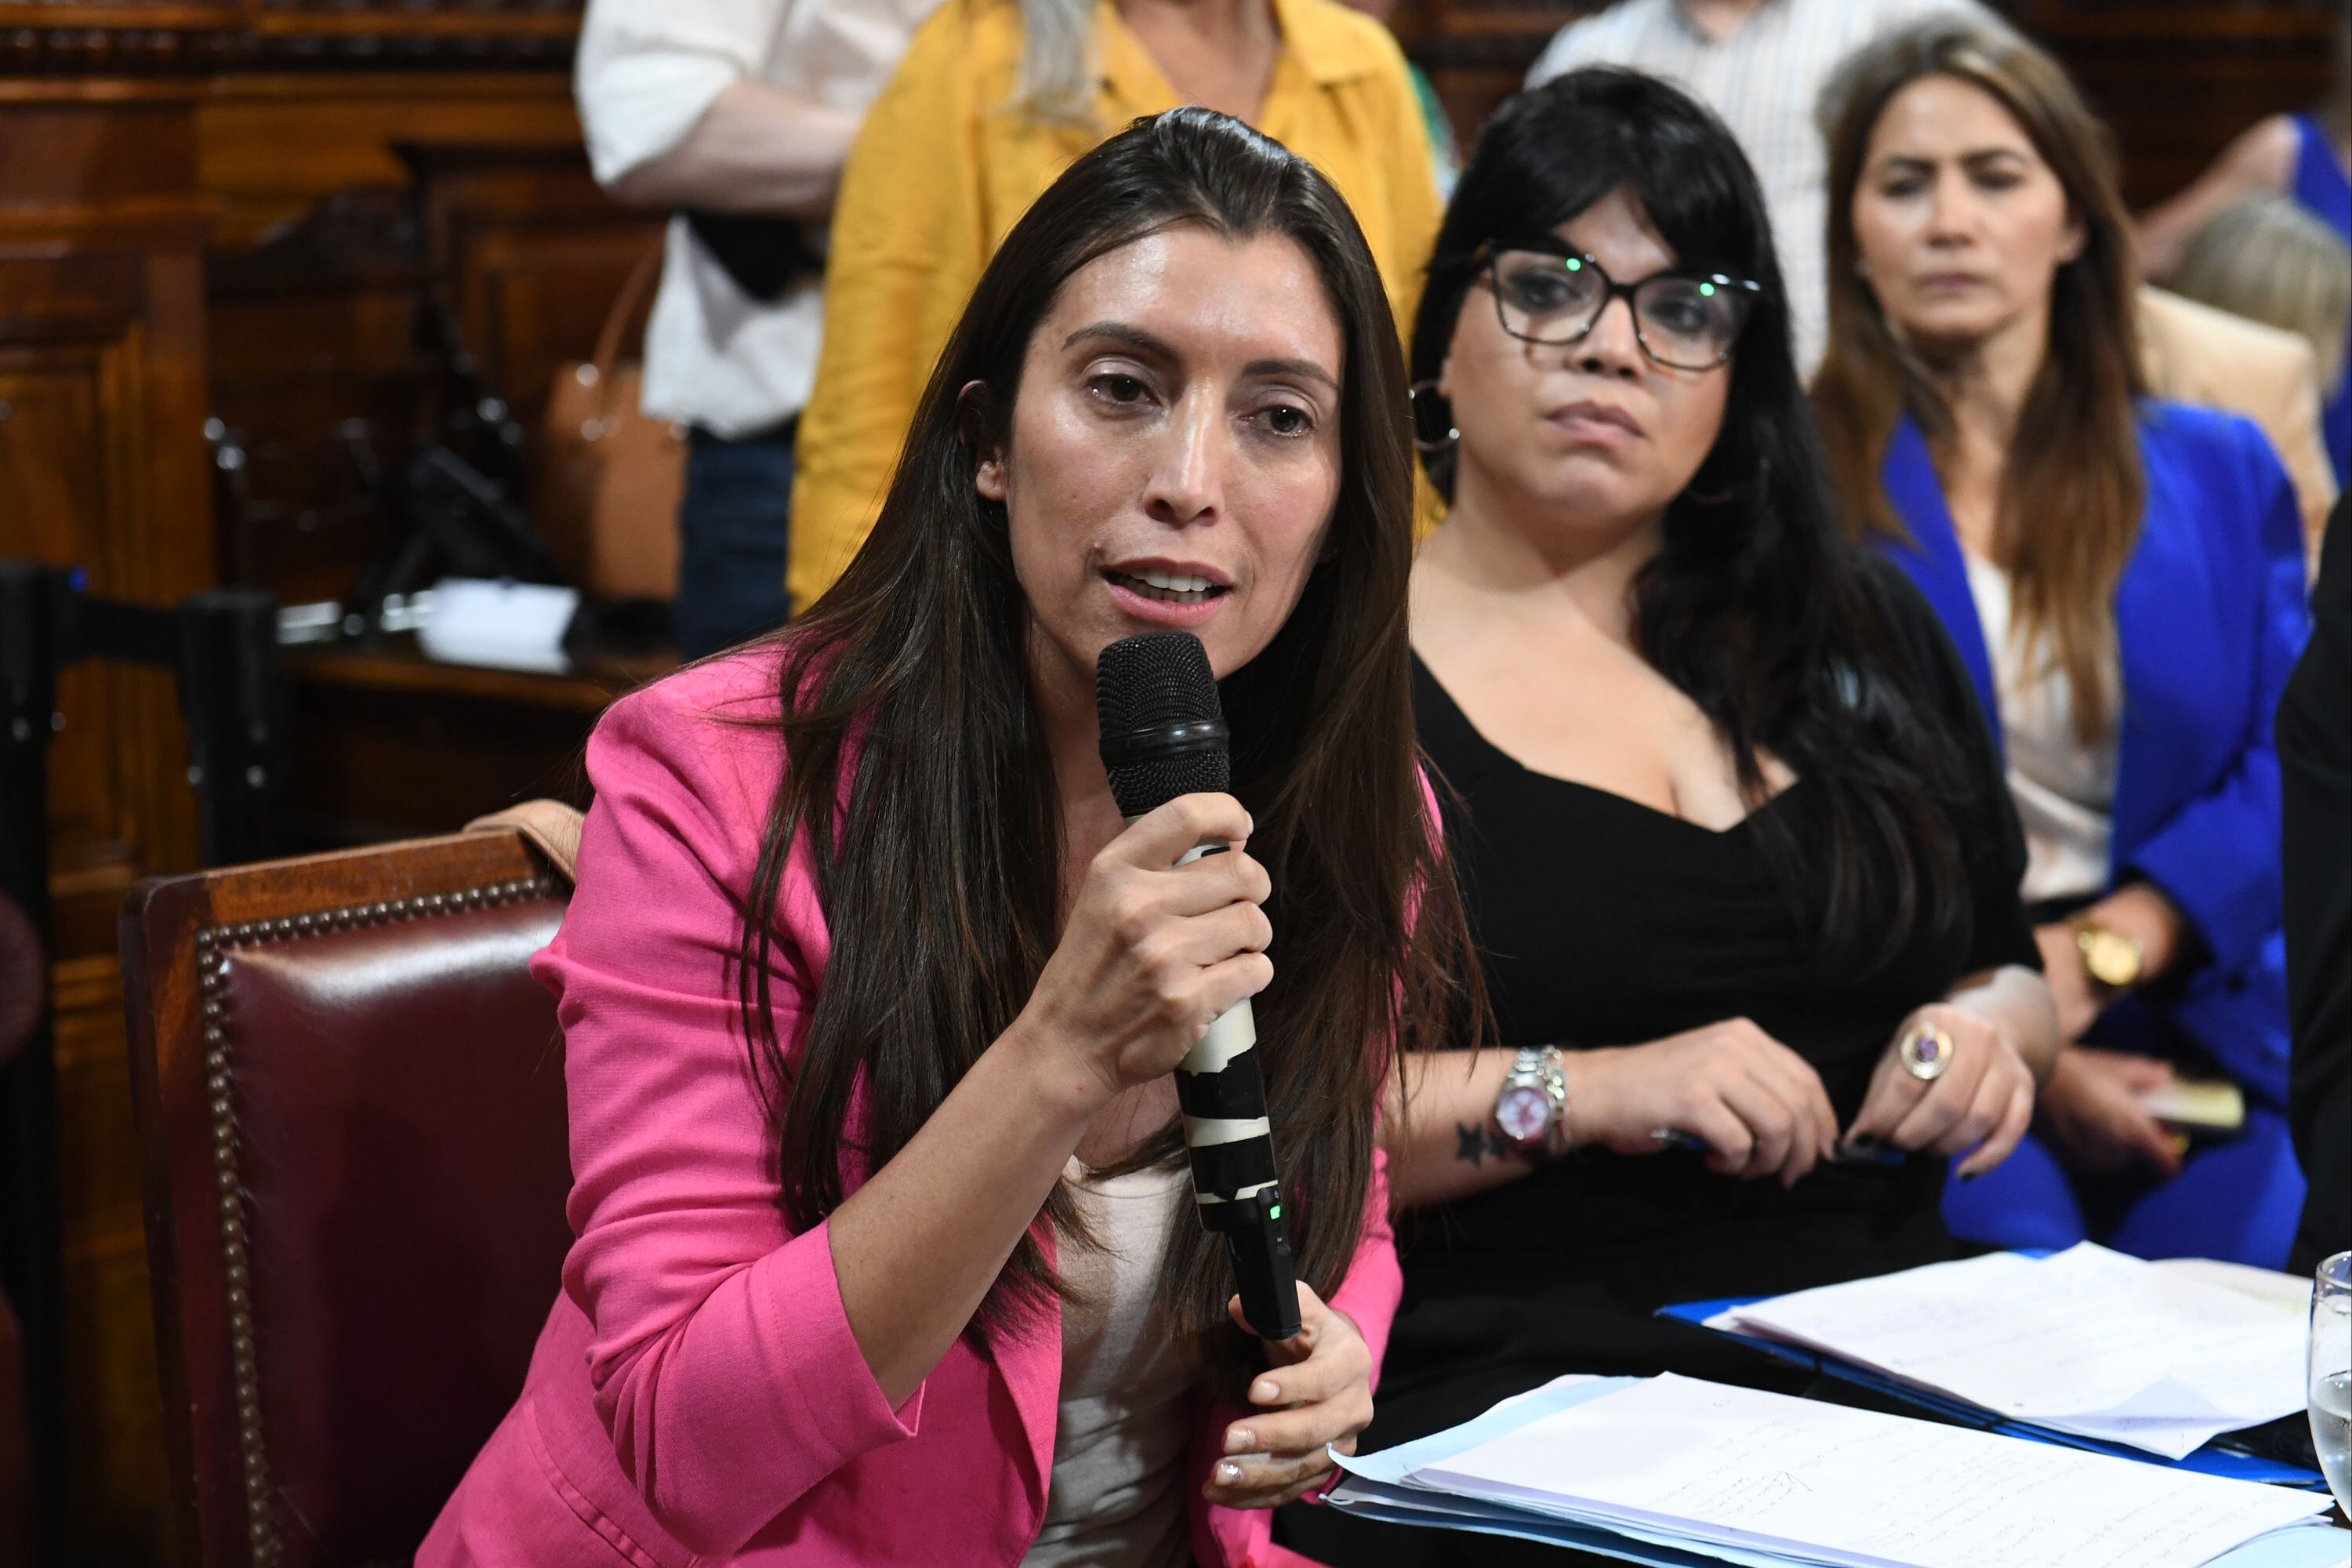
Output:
[[2331, 1375]]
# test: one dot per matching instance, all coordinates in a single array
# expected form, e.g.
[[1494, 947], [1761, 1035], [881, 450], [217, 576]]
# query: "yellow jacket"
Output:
[[943, 169]]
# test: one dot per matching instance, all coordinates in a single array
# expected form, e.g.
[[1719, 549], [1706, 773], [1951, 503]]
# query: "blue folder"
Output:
[[2215, 1459]]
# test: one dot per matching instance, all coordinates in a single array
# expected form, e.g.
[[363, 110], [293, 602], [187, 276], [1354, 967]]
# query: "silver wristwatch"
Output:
[[1531, 1109]]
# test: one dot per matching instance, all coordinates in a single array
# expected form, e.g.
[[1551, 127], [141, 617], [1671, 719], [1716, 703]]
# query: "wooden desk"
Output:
[[390, 744]]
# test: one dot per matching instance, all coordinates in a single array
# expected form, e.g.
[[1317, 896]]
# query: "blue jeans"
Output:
[[731, 538]]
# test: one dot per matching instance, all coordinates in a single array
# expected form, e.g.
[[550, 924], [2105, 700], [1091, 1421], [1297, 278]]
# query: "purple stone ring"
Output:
[[1926, 1052]]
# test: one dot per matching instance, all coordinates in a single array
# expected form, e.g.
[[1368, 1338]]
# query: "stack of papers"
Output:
[[1676, 1472], [2087, 1341]]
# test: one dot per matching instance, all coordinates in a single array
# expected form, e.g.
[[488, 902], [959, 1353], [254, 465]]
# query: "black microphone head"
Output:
[[1163, 729]]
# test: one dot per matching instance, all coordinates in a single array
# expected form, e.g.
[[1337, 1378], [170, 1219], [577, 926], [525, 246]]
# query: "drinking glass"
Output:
[[2331, 1375]]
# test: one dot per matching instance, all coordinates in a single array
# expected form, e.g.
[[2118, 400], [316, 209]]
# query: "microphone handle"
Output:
[[1234, 1190]]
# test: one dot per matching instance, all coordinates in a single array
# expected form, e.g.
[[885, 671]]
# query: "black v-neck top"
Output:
[[1600, 921]]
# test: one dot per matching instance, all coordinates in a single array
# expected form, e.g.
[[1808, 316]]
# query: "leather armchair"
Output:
[[350, 1109]]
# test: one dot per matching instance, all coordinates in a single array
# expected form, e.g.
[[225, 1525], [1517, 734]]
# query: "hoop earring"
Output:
[[1412, 396]]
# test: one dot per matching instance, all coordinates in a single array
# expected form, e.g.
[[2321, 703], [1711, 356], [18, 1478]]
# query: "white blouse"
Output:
[[2065, 790], [1116, 1494]]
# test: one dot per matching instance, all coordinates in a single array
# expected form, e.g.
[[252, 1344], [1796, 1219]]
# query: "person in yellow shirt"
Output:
[[996, 97]]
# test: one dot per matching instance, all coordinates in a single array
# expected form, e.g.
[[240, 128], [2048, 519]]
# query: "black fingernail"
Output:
[[1970, 1175]]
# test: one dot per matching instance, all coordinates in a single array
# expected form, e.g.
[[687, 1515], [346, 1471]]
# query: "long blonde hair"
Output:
[[2072, 489], [2268, 260]]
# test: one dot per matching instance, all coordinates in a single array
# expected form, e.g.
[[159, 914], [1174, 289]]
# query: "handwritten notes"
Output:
[[2088, 1341], [1761, 1472]]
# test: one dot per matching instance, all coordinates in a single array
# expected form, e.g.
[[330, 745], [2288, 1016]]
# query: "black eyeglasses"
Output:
[[1684, 321]]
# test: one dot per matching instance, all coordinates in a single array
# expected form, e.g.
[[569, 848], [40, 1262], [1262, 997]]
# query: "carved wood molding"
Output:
[[145, 38]]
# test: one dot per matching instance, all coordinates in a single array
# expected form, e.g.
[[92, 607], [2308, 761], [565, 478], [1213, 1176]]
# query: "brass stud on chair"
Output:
[[212, 964]]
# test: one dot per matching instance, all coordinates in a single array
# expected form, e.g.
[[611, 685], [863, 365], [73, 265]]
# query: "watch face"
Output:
[[2112, 958], [1522, 1112]]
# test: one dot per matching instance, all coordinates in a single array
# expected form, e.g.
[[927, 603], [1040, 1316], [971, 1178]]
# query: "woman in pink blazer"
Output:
[[870, 998]]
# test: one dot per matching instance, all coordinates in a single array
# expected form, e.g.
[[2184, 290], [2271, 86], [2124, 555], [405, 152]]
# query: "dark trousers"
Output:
[[731, 538]]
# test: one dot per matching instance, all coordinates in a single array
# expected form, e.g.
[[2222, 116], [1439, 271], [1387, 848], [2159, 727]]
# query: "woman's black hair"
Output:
[[1755, 607]]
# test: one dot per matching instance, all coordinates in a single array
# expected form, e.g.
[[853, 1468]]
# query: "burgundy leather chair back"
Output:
[[350, 1095]]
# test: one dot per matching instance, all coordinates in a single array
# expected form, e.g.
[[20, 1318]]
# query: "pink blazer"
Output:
[[696, 1395]]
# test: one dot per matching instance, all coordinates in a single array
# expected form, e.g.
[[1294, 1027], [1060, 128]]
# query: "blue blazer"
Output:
[[2209, 617]]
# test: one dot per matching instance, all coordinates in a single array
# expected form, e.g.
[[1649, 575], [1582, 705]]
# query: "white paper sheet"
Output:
[[2289, 1293], [1856, 1488], [2088, 1341]]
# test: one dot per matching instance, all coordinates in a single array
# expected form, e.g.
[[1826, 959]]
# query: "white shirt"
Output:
[[645, 72], [2065, 790], [1124, 1420], [1764, 78]]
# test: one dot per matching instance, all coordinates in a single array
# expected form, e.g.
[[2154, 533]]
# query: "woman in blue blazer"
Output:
[[2123, 578]]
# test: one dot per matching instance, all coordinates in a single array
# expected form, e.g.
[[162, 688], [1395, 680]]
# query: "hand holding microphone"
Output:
[[1153, 950], [1164, 738]]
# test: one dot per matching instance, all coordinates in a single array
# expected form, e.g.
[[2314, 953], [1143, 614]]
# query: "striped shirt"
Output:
[[1763, 77]]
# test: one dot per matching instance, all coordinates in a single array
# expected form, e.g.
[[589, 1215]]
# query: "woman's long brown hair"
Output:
[[920, 780], [2072, 489]]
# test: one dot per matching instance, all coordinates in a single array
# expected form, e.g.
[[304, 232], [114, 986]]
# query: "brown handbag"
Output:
[[611, 477]]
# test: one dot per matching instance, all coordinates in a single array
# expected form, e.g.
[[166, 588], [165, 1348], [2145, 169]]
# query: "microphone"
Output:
[[1163, 734]]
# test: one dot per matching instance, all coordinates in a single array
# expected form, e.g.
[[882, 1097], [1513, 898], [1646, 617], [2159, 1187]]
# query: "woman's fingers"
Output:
[[1780, 1116], [1892, 1094], [1939, 1110], [1327, 1358], [1766, 1118], [1728, 1139], [1817, 1094], [1881, 1108], [1233, 981], [2135, 1072], [2156, 1143], [1815, 1124], [2003, 1140], [1987, 1103], [1263, 1480], [1317, 1393], [1963, 1116], [1300, 1431], [1157, 840], [1212, 882]]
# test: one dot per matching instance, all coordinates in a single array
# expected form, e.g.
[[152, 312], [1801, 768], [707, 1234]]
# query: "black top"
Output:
[[2314, 743], [1603, 922]]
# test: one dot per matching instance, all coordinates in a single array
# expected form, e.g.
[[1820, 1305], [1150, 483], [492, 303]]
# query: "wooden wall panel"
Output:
[[2178, 81], [335, 338], [249, 166], [529, 255], [102, 467], [273, 147]]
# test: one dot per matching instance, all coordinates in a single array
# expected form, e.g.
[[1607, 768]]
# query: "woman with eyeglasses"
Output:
[[1728, 825]]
